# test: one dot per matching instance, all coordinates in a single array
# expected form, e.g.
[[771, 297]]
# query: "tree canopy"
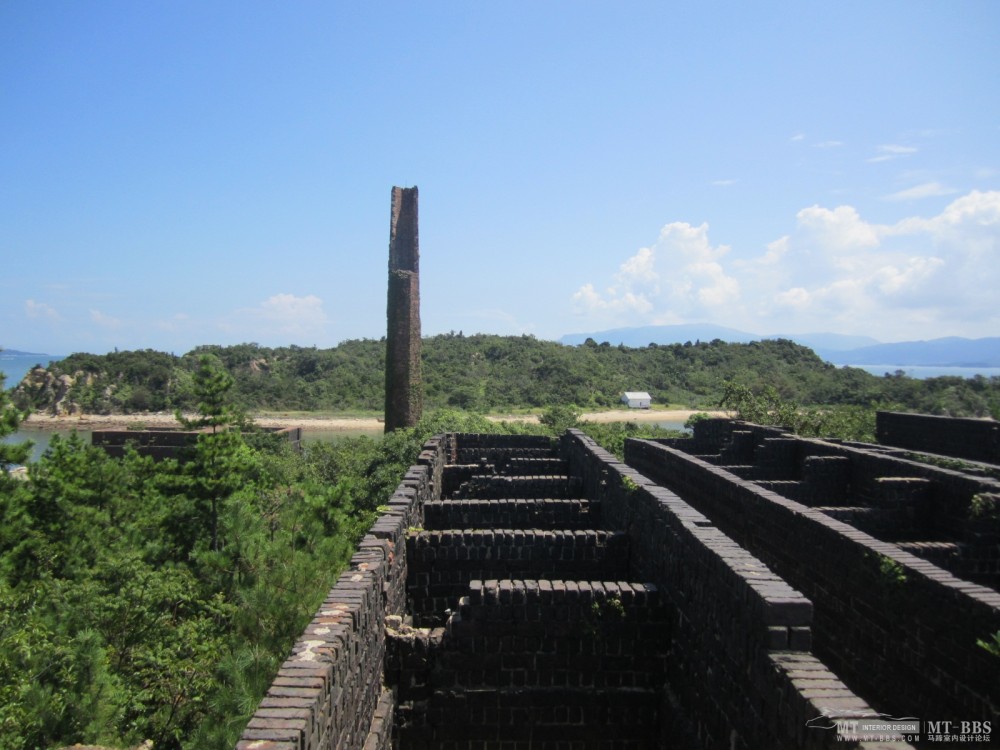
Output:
[[485, 373]]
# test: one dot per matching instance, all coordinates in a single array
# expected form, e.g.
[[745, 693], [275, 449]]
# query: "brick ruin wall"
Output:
[[971, 439], [449, 560], [902, 500], [330, 692], [727, 641], [740, 672], [166, 443], [898, 629]]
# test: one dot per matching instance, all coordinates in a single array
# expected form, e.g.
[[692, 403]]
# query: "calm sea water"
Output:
[[16, 366], [40, 438], [922, 372]]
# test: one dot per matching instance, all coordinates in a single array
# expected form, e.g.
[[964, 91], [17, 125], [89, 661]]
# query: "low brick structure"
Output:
[[167, 443]]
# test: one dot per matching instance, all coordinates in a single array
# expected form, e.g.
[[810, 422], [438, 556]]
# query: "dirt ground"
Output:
[[327, 424]]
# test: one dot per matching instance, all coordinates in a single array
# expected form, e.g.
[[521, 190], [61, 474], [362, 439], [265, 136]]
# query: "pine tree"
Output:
[[10, 420], [212, 385], [217, 466]]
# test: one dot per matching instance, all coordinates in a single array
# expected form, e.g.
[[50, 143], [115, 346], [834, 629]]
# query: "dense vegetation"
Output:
[[143, 600], [486, 373]]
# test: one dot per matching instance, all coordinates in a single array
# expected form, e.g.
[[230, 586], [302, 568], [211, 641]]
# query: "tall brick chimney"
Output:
[[403, 382]]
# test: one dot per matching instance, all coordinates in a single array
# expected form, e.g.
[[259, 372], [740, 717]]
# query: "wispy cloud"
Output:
[[101, 319], [828, 144], [724, 183], [41, 310], [507, 319], [284, 317], [890, 151], [926, 190]]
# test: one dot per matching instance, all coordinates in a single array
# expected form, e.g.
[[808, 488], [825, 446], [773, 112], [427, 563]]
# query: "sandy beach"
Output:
[[325, 423]]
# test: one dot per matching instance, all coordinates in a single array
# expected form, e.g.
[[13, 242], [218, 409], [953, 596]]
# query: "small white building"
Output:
[[637, 399]]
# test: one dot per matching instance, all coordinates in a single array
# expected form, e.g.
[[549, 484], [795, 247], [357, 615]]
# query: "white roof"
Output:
[[637, 395]]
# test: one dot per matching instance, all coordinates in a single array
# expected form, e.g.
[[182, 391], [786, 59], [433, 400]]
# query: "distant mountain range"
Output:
[[839, 349], [16, 353], [952, 351]]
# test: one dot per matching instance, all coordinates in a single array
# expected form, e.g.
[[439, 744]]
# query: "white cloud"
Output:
[[775, 251], [101, 319], [287, 308], [795, 297], [919, 277], [680, 275], [502, 319], [838, 228], [828, 144], [283, 317], [926, 190], [586, 300], [723, 183], [923, 276], [177, 322], [639, 268], [891, 279], [40, 310]]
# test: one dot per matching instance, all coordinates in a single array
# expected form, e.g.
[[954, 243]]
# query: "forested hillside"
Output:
[[490, 373]]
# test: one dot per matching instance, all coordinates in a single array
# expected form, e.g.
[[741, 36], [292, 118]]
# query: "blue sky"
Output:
[[183, 173]]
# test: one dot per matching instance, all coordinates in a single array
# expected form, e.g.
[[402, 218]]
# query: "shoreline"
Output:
[[160, 421]]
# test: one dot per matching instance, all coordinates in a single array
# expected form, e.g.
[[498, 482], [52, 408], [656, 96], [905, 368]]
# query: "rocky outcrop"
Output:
[[48, 393]]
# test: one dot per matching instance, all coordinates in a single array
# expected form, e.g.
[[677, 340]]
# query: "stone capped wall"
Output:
[[972, 439], [899, 629], [937, 512]]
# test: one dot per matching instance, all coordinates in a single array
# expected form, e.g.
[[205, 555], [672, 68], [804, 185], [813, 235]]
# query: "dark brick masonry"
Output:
[[403, 380], [485, 622], [973, 439], [897, 627]]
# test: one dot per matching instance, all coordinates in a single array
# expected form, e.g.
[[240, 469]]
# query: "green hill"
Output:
[[488, 373]]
